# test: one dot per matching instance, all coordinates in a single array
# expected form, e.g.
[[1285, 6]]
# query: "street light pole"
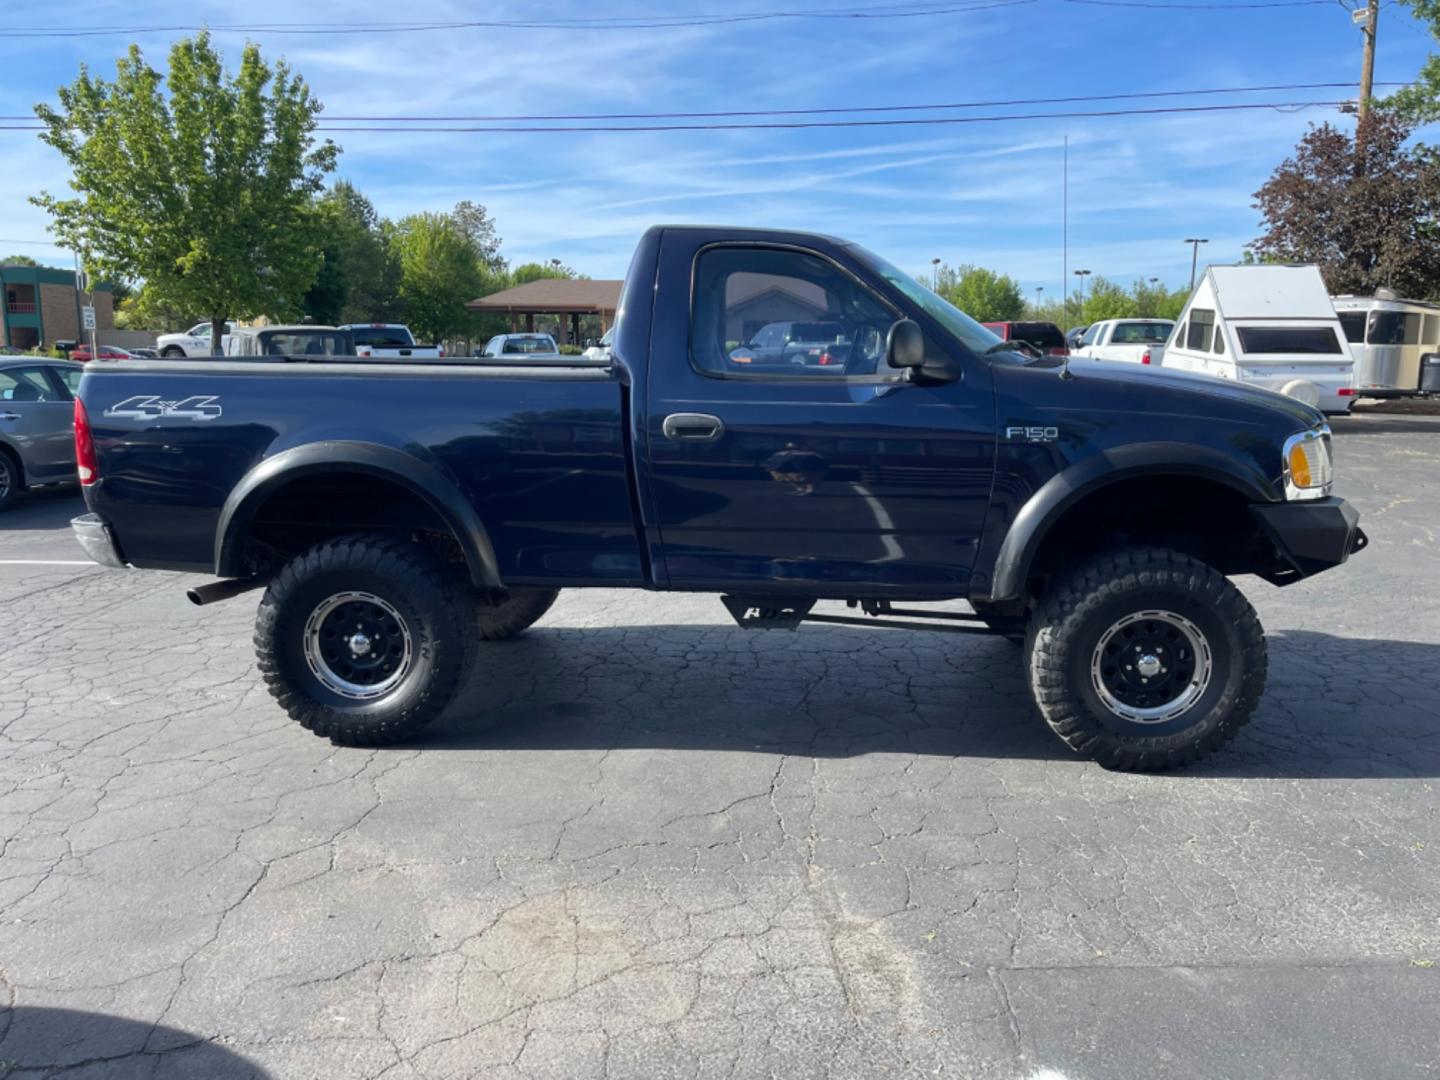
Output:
[[1194, 242], [1082, 275], [935, 276], [1038, 290]]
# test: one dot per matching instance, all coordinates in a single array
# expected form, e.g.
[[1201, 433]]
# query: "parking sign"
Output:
[[87, 317]]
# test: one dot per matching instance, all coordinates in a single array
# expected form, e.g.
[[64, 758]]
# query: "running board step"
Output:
[[774, 613]]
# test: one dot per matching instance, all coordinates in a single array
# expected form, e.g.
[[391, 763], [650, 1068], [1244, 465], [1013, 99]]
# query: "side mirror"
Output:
[[905, 345], [742, 355]]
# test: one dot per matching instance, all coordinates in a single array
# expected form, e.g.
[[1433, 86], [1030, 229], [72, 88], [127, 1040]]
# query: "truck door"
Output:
[[838, 478]]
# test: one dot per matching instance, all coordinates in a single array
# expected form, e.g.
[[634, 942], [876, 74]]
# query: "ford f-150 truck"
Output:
[[397, 514]]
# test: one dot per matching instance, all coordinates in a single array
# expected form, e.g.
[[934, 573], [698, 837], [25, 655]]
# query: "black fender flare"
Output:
[[425, 479], [1067, 488]]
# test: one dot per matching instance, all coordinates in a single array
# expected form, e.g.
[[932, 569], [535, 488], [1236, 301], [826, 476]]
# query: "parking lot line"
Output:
[[47, 562]]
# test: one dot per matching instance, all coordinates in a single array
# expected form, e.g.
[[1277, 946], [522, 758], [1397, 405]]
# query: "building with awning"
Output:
[[566, 299]]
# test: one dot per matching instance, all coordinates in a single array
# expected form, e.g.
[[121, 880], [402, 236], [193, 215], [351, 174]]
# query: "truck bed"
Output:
[[538, 449]]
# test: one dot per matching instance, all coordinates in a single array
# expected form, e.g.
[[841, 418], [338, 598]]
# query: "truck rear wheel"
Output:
[[363, 639], [513, 615], [1145, 659]]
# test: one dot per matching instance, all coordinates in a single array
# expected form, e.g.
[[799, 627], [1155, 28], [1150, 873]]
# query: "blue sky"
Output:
[[983, 193]]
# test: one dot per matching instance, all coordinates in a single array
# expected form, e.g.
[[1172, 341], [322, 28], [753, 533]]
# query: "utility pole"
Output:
[[1367, 67], [1194, 242]]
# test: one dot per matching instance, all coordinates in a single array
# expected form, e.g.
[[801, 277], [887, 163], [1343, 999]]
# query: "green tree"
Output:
[[1419, 103], [438, 275], [359, 279], [1364, 208], [982, 294], [147, 310], [204, 190], [18, 260], [478, 227], [528, 272], [1104, 300]]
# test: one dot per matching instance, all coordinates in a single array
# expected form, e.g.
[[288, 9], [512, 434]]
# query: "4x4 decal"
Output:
[[152, 407]]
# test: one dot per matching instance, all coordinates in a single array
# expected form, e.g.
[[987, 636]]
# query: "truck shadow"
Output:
[[36, 1042], [1335, 707], [43, 508]]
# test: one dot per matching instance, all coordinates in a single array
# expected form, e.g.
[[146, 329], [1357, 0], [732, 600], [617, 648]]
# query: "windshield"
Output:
[[1141, 333], [962, 326], [1353, 323], [306, 343], [519, 346], [382, 337]]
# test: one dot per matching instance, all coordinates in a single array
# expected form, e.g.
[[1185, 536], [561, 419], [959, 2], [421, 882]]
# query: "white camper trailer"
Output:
[[1268, 326], [1389, 338]]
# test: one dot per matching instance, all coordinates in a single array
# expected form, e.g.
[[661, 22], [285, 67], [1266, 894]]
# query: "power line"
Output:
[[825, 111], [646, 22], [787, 125]]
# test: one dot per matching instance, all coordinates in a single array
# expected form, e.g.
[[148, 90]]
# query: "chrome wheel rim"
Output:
[[358, 645], [1151, 667]]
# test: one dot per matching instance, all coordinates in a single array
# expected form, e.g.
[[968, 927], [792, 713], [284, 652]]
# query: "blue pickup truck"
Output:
[[399, 514]]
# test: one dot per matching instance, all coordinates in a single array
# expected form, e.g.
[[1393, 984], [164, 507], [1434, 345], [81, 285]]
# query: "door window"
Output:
[[1088, 338], [737, 286], [71, 377], [26, 384]]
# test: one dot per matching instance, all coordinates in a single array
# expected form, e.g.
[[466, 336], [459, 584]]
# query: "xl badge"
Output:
[[152, 407]]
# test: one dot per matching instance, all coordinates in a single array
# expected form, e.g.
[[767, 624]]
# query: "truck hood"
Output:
[[1117, 386]]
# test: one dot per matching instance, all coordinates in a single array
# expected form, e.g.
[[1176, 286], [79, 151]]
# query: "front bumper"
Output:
[[95, 536], [1313, 535]]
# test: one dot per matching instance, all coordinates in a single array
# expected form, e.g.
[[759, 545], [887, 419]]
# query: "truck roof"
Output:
[[1270, 292]]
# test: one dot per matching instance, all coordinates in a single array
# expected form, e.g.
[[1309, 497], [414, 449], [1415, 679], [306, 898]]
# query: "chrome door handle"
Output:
[[693, 427], [9, 416]]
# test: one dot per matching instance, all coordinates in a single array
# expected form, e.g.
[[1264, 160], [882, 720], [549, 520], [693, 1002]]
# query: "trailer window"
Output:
[[1394, 328], [1202, 322], [1270, 340], [1353, 323], [1219, 337], [1431, 334]]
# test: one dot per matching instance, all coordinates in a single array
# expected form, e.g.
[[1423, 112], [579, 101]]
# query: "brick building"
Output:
[[42, 307]]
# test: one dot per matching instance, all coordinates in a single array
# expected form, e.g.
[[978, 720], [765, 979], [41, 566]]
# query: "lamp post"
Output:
[[1082, 275], [1194, 242], [935, 276], [1038, 290]]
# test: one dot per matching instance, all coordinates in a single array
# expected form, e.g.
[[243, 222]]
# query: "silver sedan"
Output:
[[37, 437]]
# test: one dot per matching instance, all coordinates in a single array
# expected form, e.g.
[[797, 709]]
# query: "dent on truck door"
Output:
[[833, 476]]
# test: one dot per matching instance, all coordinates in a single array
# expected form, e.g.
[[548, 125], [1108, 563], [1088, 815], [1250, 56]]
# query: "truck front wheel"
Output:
[[363, 639], [1145, 658]]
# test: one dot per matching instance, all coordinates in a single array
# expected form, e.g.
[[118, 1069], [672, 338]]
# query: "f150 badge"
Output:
[[1033, 434], [153, 407]]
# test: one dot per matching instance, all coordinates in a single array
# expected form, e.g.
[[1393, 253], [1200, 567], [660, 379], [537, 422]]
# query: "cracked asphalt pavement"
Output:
[[646, 843]]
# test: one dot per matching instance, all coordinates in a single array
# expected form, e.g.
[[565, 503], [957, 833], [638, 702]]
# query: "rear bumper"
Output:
[[1314, 535], [96, 537]]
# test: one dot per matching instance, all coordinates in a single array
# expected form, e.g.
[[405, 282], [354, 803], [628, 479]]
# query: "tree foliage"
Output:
[[439, 273], [18, 260], [1365, 209], [204, 190], [478, 228], [1419, 103], [359, 278], [982, 294]]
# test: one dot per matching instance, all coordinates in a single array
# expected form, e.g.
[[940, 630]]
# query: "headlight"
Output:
[[1308, 471]]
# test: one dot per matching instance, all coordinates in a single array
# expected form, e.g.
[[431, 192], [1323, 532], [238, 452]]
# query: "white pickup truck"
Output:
[[391, 340], [194, 342], [1135, 341]]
